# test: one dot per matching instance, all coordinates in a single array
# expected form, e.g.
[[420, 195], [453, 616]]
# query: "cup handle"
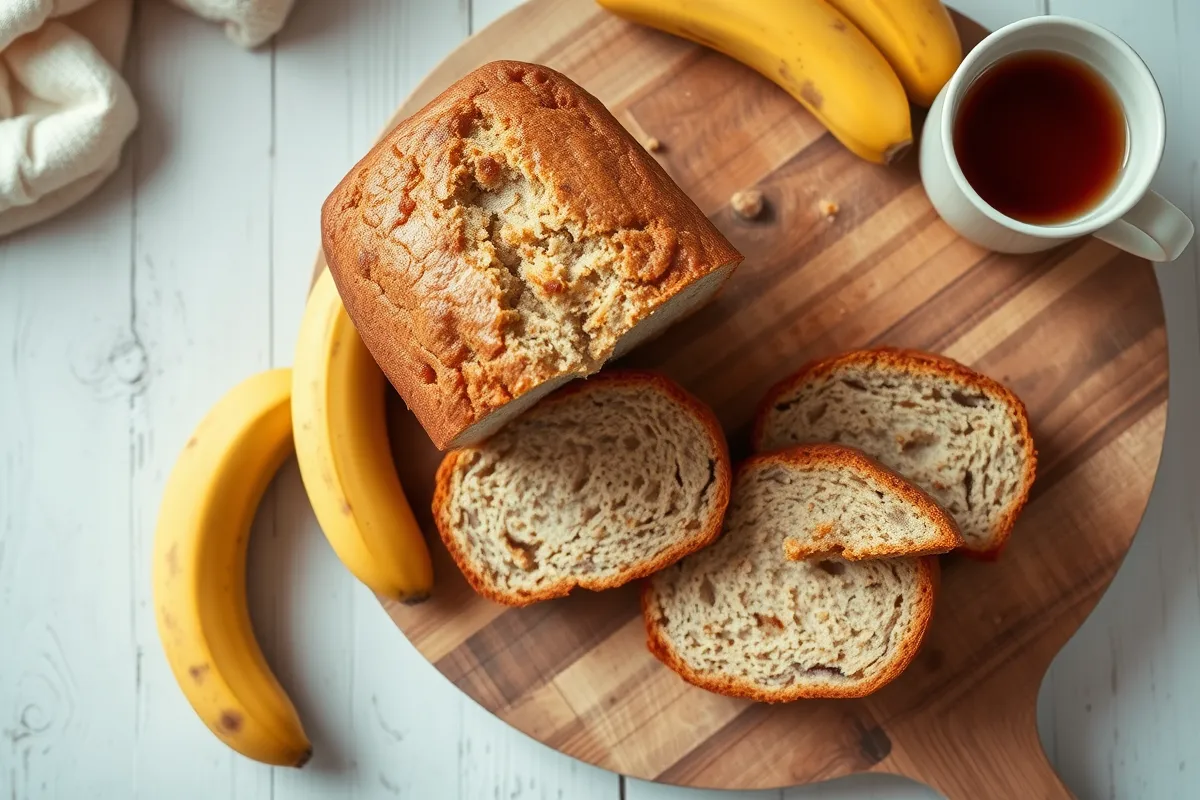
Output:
[[1153, 229]]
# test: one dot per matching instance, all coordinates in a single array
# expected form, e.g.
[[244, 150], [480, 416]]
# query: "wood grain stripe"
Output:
[[826, 311], [439, 630], [664, 737], [545, 714], [1006, 318], [969, 297], [781, 274], [761, 740], [608, 667], [763, 297], [1149, 393], [711, 161], [650, 697], [586, 54], [525, 648]]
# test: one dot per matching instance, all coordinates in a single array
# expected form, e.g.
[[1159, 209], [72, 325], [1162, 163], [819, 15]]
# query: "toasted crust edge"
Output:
[[844, 456], [660, 648], [912, 360], [706, 535]]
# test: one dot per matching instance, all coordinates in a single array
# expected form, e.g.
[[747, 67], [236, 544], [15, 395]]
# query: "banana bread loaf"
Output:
[[506, 238]]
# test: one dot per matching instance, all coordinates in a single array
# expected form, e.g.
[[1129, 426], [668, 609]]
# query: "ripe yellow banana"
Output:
[[917, 37], [813, 52], [199, 571], [340, 423]]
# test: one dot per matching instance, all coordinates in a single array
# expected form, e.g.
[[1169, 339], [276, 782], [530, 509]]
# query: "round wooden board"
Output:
[[1076, 332]]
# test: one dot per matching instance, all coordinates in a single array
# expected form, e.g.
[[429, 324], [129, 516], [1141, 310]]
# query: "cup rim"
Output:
[[1080, 227]]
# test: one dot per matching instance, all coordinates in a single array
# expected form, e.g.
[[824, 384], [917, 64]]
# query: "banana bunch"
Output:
[[849, 62], [330, 410]]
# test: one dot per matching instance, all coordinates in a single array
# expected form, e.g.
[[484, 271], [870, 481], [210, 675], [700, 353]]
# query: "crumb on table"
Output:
[[653, 144], [747, 204], [828, 209]]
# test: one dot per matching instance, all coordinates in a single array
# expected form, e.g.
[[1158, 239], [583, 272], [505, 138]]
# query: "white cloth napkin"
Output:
[[65, 110]]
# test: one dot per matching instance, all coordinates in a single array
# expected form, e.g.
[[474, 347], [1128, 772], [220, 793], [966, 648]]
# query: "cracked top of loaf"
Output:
[[507, 235]]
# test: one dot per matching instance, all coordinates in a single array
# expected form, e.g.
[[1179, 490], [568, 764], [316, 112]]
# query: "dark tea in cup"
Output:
[[1041, 137]]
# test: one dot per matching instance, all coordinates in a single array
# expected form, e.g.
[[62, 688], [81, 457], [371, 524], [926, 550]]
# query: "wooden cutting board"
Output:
[[1076, 332]]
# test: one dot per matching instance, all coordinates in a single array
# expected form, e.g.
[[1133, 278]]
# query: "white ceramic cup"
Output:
[[1130, 216]]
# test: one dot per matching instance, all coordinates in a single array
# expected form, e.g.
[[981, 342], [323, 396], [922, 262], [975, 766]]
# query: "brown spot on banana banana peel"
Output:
[[198, 671], [838, 25], [304, 758], [811, 96], [808, 92], [173, 559], [230, 721]]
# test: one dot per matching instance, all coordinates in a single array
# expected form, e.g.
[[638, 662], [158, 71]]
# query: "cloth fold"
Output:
[[65, 110], [247, 22]]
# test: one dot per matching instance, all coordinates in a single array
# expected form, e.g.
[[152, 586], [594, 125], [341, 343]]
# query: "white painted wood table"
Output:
[[122, 321]]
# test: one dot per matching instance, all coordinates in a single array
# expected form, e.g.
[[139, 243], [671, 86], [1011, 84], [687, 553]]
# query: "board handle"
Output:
[[1021, 772]]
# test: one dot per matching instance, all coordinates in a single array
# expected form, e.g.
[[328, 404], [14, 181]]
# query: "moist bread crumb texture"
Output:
[[958, 435], [739, 619], [505, 238], [604, 482]]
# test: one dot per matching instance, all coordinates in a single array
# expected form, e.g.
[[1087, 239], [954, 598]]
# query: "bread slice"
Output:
[[840, 502], [959, 435], [739, 619], [605, 481], [509, 237]]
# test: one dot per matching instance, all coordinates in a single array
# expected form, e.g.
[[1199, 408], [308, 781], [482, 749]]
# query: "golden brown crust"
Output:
[[840, 456], [649, 381], [918, 361], [394, 236], [928, 578]]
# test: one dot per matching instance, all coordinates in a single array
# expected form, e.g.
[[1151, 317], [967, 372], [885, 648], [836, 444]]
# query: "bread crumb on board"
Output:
[[828, 208], [653, 144], [747, 204]]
